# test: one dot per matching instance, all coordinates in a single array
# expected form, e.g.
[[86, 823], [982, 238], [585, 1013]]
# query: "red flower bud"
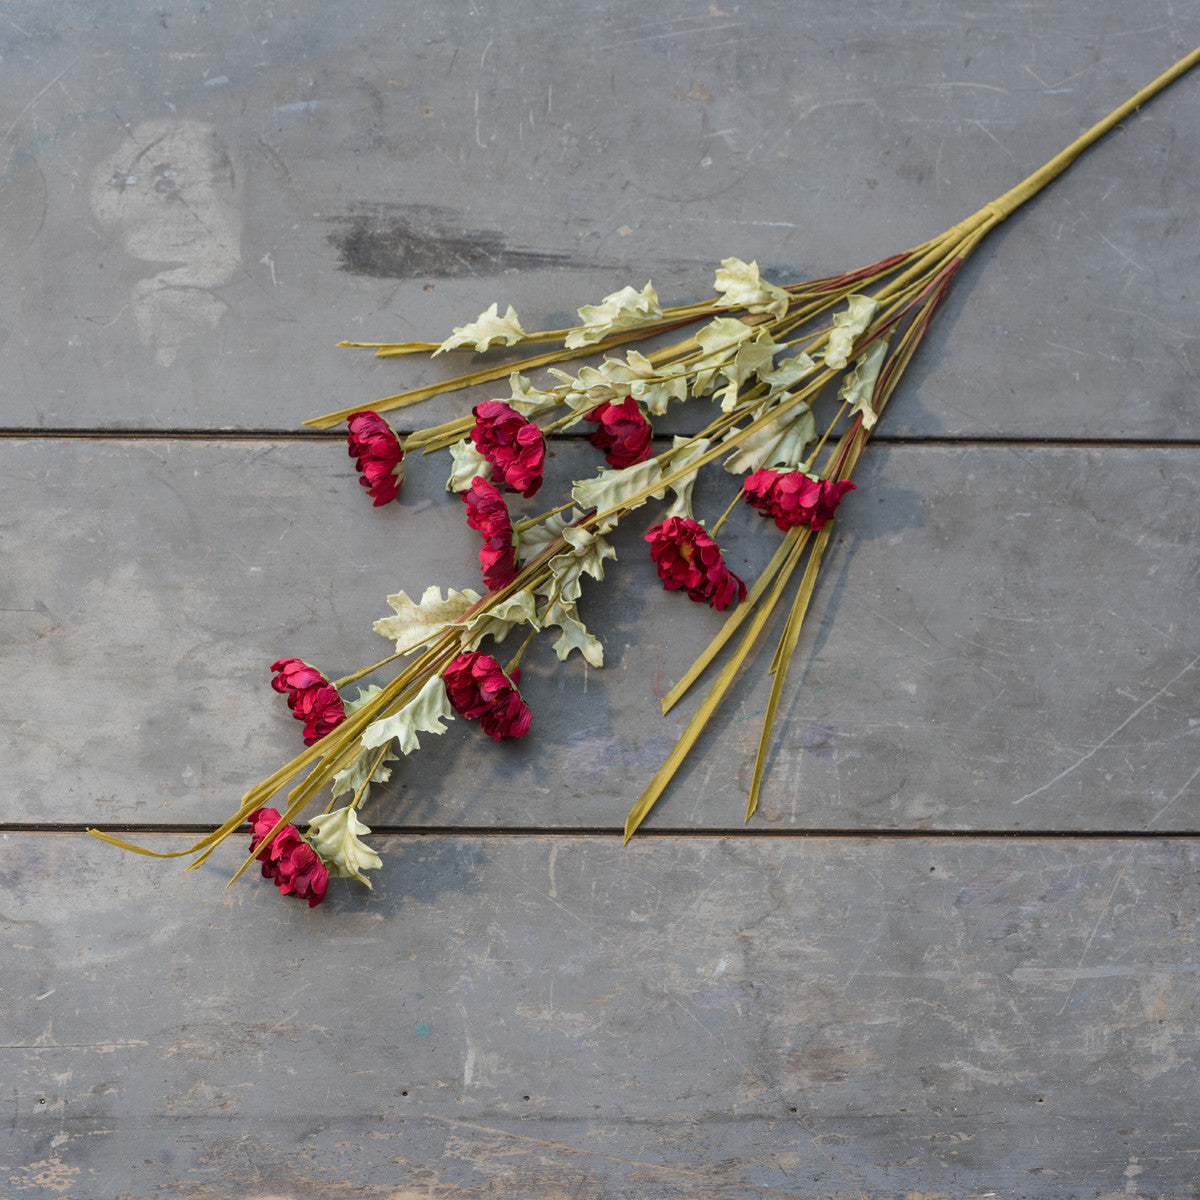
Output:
[[478, 688], [488, 514], [310, 696], [794, 498], [514, 446], [686, 557], [378, 455], [289, 860], [624, 434]]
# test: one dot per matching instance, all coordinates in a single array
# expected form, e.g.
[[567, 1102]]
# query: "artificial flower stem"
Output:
[[735, 619], [515, 661], [783, 655], [664, 775]]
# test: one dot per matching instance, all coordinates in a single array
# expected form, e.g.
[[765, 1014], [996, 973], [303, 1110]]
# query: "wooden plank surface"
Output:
[[541, 1017], [195, 203], [197, 207], [1004, 638]]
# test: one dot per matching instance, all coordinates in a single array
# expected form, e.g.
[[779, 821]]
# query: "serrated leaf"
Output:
[[537, 537], [335, 837], [782, 442], [575, 635], [626, 309], [500, 618], [527, 400], [490, 329], [848, 326], [859, 385], [788, 371], [686, 449], [356, 774], [468, 463], [424, 714], [723, 333], [743, 287], [610, 488], [351, 778], [418, 624], [749, 360]]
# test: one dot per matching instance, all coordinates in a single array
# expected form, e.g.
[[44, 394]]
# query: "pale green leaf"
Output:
[[575, 635], [848, 326], [527, 400], [351, 778], [335, 837], [723, 333], [499, 619], [424, 714], [859, 386], [743, 287], [781, 443], [626, 309], [537, 537], [748, 361], [686, 449], [788, 371], [468, 463], [489, 330], [612, 488], [418, 624]]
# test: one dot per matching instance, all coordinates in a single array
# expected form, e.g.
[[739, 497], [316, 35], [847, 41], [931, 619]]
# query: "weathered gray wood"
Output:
[[561, 1016], [1003, 639], [194, 208]]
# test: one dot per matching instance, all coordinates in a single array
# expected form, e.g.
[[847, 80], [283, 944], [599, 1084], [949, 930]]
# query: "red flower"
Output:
[[294, 675], [310, 696], [378, 455], [514, 446], [478, 687], [488, 514], [794, 498], [289, 860], [686, 557], [624, 433]]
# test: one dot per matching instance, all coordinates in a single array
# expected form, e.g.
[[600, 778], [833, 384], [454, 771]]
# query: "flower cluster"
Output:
[[624, 434], [794, 498], [488, 515], [478, 688], [687, 558], [295, 867], [513, 446], [310, 696], [378, 455]]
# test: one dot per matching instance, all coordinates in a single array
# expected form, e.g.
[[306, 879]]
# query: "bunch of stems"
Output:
[[907, 289]]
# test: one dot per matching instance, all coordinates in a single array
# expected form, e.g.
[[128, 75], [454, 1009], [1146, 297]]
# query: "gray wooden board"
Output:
[[554, 1016], [195, 206], [1003, 638]]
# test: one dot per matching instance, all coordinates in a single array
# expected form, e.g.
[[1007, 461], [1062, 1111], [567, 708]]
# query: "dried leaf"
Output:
[[859, 386], [424, 714], [418, 624], [743, 287], [847, 328], [499, 619], [782, 442], [468, 463], [626, 309], [612, 488], [686, 449], [489, 330], [335, 837]]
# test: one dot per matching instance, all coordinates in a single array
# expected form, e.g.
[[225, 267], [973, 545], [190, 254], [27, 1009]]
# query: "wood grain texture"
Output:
[[195, 208], [1003, 638], [561, 1016]]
